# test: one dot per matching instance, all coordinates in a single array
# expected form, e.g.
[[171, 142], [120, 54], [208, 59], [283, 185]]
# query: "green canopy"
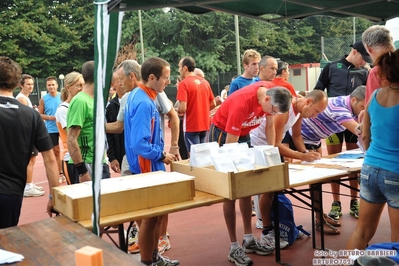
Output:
[[272, 10], [107, 34], [107, 29]]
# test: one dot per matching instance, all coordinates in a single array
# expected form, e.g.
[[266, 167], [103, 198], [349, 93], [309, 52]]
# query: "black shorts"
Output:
[[338, 138], [10, 209], [286, 138], [218, 135], [55, 138], [290, 142]]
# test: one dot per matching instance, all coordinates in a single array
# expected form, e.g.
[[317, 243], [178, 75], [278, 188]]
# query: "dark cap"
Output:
[[360, 48]]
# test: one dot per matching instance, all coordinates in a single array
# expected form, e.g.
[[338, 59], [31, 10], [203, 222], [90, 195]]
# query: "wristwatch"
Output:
[[163, 156]]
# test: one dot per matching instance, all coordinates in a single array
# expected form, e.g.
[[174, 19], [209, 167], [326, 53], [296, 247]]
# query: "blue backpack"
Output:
[[392, 247], [288, 230]]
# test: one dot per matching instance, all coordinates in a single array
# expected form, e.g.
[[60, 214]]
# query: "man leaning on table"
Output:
[[310, 106], [341, 114], [17, 141], [240, 112]]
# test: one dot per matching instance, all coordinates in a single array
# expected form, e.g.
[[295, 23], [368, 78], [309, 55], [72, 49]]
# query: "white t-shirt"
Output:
[[164, 106], [20, 95], [258, 136]]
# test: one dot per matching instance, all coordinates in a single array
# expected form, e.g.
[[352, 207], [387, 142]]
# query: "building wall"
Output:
[[304, 76]]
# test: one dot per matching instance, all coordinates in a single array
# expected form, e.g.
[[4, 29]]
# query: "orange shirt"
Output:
[[198, 95], [282, 83]]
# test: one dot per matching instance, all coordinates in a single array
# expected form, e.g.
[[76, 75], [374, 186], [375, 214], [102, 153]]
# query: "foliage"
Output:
[[210, 38], [50, 37], [47, 37]]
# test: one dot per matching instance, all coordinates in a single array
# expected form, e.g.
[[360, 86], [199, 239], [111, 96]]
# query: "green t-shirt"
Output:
[[81, 113]]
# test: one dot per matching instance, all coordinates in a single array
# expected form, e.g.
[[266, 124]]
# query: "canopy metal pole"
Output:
[[141, 38], [38, 91], [354, 29], [237, 45]]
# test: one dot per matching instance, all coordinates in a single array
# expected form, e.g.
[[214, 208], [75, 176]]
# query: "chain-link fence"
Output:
[[335, 48]]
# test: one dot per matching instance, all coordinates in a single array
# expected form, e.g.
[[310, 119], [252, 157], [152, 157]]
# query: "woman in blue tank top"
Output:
[[379, 178]]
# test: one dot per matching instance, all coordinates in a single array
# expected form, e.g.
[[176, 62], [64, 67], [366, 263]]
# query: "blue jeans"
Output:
[[379, 186], [192, 138]]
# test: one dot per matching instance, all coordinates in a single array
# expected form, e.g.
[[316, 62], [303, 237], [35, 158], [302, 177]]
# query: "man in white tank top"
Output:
[[27, 85], [310, 106]]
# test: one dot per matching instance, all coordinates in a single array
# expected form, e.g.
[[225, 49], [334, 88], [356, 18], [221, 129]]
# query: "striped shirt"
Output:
[[329, 122]]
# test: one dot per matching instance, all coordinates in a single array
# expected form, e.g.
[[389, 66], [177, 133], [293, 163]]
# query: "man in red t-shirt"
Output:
[[196, 100], [242, 111], [282, 75]]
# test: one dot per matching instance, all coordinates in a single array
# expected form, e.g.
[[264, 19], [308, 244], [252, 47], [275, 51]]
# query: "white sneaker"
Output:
[[133, 234], [259, 224], [269, 240], [38, 187], [300, 235], [32, 192]]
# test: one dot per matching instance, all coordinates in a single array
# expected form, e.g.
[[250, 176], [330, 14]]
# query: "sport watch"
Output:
[[163, 156]]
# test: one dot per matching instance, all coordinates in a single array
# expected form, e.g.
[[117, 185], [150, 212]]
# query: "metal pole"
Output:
[[141, 38], [322, 47], [38, 91], [354, 29], [237, 45]]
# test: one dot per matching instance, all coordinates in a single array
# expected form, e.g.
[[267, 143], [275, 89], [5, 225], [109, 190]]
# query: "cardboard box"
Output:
[[236, 185], [124, 194]]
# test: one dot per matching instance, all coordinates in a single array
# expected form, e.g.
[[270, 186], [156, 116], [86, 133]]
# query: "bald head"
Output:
[[198, 72]]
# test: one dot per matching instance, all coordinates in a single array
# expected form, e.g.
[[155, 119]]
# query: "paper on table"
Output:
[[302, 176], [320, 161], [354, 151], [357, 164], [350, 156], [351, 163], [9, 257], [299, 166]]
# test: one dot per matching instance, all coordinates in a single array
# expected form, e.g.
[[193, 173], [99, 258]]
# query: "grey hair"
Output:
[[281, 65], [131, 66], [281, 98], [359, 93], [377, 36], [263, 60], [316, 96]]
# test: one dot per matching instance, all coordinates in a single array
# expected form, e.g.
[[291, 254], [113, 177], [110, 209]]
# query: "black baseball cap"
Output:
[[360, 48]]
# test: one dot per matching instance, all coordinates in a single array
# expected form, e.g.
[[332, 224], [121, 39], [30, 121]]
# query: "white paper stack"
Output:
[[233, 157], [267, 155], [223, 163], [200, 154]]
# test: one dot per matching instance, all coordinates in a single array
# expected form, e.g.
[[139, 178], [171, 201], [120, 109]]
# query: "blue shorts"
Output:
[[379, 186]]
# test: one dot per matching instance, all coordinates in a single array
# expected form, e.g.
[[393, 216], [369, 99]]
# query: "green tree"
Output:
[[172, 34], [47, 37]]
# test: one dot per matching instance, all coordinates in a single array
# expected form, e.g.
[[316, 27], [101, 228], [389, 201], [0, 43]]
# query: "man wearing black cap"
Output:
[[341, 78]]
